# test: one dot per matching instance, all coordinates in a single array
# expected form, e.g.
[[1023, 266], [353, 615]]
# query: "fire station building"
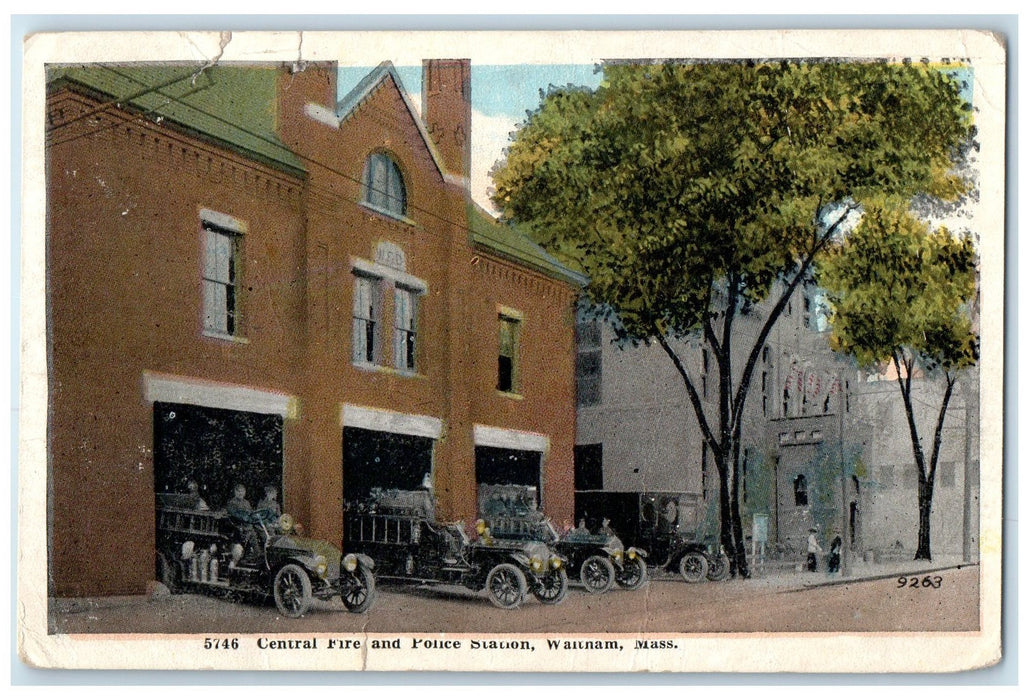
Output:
[[252, 282]]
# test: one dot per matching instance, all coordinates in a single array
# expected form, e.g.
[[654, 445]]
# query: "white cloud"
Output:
[[489, 139]]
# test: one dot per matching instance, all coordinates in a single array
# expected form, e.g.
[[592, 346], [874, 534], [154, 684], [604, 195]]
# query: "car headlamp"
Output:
[[617, 555], [480, 526], [350, 563], [320, 566], [536, 564], [631, 553], [555, 562]]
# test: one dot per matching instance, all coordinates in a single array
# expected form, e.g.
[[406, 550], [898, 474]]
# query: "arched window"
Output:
[[800, 490], [383, 185]]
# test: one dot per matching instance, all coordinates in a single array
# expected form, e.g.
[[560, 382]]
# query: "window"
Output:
[[743, 469], [800, 490], [366, 319], [221, 279], [405, 314], [589, 467], [383, 185], [703, 471], [507, 356], [588, 364], [703, 376], [386, 307], [764, 393]]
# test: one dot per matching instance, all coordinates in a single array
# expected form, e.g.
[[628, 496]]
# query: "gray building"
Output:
[[824, 444]]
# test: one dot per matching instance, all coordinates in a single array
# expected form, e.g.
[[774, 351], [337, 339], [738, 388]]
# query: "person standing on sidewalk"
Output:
[[813, 549], [834, 555]]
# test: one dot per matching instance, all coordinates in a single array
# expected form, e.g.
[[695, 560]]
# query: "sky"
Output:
[[501, 97]]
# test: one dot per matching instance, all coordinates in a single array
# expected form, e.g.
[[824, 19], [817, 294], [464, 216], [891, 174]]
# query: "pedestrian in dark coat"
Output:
[[834, 554]]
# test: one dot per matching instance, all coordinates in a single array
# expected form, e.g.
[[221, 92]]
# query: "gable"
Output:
[[386, 77]]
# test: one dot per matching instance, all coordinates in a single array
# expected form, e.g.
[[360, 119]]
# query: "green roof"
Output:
[[231, 105], [508, 242]]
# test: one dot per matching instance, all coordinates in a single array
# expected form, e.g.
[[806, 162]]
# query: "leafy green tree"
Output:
[[689, 193], [901, 294]]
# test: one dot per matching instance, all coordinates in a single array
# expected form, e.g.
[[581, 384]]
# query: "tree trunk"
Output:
[[925, 507], [725, 507], [738, 555]]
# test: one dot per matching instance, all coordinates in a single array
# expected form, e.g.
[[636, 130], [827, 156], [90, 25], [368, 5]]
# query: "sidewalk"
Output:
[[787, 573]]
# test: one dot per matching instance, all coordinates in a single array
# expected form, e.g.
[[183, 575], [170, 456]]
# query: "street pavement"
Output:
[[776, 599]]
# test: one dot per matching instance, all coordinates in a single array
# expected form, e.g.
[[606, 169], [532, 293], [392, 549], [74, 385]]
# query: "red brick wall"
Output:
[[124, 296]]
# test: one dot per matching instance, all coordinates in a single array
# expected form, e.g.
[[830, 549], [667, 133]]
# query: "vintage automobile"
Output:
[[257, 553], [666, 524], [399, 530], [598, 561]]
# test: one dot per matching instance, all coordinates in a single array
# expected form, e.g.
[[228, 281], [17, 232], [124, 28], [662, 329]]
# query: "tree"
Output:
[[690, 193], [900, 293]]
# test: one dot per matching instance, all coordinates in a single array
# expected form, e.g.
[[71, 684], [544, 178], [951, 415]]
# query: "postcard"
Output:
[[512, 351]]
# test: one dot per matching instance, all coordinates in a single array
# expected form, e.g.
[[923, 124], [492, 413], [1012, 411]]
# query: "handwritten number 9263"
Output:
[[924, 582]]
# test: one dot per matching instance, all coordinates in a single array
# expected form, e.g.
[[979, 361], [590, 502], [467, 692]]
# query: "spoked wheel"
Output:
[[693, 567], [361, 594], [633, 574], [552, 588], [292, 591], [506, 586], [718, 568], [597, 574]]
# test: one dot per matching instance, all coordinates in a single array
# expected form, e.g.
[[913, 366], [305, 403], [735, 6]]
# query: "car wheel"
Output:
[[693, 567], [633, 574], [292, 591], [361, 593], [718, 568], [168, 573], [597, 574], [506, 586], [552, 588]]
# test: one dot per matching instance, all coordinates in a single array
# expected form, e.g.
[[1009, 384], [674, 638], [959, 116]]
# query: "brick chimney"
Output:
[[447, 111]]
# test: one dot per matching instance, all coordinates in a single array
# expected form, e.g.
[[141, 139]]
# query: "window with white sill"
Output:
[[221, 278]]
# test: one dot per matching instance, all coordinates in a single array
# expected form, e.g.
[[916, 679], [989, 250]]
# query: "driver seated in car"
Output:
[[240, 511]]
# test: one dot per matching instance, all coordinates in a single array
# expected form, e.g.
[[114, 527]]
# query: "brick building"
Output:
[[250, 281]]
